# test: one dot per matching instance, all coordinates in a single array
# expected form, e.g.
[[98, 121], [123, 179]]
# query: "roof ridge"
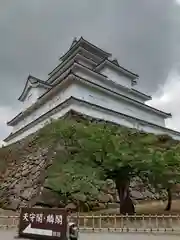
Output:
[[39, 80], [116, 63], [81, 40]]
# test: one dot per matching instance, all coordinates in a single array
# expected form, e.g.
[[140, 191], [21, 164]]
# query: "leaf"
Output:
[[106, 150]]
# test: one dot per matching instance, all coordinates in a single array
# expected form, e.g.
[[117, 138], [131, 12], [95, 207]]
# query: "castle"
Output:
[[90, 82]]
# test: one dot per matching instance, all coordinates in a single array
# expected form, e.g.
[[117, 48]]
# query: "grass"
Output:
[[157, 207], [148, 207]]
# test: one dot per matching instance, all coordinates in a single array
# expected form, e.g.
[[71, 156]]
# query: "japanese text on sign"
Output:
[[40, 218]]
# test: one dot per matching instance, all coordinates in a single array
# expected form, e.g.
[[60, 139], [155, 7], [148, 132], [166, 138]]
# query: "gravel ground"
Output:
[[11, 235]]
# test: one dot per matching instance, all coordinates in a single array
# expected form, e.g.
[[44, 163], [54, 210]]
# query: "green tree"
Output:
[[116, 152], [165, 172], [103, 150], [162, 171]]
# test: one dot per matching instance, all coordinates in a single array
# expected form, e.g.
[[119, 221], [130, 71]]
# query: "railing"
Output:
[[136, 223], [9, 221], [115, 223]]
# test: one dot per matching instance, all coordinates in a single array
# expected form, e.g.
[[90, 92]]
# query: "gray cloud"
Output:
[[144, 35]]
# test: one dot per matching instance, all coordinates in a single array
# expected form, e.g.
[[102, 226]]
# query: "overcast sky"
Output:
[[143, 34]]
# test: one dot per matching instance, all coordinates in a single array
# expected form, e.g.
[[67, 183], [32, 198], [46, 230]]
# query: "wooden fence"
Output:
[[136, 223], [9, 221], [115, 223]]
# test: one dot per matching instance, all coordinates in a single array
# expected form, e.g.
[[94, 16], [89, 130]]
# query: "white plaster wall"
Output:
[[116, 118], [60, 97], [107, 100], [41, 90], [31, 98], [116, 76], [113, 87], [91, 95], [116, 87], [39, 125], [99, 114]]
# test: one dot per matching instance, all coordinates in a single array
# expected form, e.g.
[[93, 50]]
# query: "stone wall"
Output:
[[23, 181], [22, 184]]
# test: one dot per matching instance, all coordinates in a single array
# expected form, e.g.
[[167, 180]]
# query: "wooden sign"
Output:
[[43, 223]]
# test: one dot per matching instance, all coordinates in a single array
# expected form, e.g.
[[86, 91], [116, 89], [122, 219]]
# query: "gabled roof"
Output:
[[78, 65], [74, 42], [114, 63], [71, 73], [33, 82], [79, 54], [22, 114], [146, 97], [88, 46]]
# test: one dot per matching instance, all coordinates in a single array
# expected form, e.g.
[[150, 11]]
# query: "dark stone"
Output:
[[49, 197], [27, 194], [25, 172], [13, 205], [137, 195]]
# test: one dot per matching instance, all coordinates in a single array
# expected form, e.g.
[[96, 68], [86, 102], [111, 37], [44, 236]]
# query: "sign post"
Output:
[[43, 223]]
